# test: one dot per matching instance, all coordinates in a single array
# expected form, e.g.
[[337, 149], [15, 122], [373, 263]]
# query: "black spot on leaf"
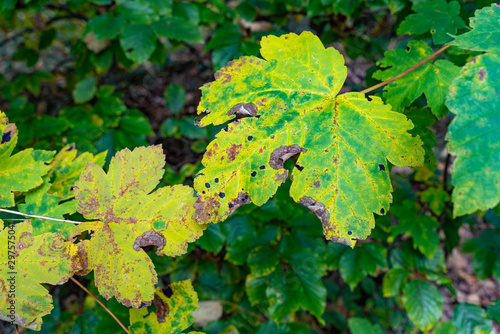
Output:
[[216, 180], [350, 232], [6, 137], [222, 195], [231, 205], [262, 167], [168, 291], [250, 137], [381, 168], [382, 211], [254, 173], [207, 185]]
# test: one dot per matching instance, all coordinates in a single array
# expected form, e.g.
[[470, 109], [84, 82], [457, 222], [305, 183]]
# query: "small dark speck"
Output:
[[350, 232], [382, 211], [225, 128], [72, 188], [203, 191], [168, 291], [250, 137], [258, 116], [46, 163], [222, 195], [262, 167], [231, 206], [216, 180], [6, 137], [381, 168], [207, 185], [246, 197], [142, 304], [254, 173]]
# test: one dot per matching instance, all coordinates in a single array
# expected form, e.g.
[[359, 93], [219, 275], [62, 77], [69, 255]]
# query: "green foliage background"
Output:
[[107, 75]]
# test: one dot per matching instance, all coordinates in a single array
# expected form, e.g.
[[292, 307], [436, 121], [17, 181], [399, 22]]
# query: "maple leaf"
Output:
[[485, 33], [431, 79], [40, 202], [22, 171], [131, 217], [344, 140], [437, 16], [45, 258], [173, 313], [66, 168], [474, 135]]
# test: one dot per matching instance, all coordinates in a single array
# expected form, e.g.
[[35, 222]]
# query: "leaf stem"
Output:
[[100, 303], [256, 316], [40, 217], [414, 67]]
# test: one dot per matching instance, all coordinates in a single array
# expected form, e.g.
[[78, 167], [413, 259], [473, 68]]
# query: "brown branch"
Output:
[[100, 303], [414, 67]]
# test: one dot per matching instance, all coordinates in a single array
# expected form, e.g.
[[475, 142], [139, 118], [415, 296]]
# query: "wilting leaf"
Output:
[[45, 258], [173, 311], [131, 217], [22, 171], [344, 141], [474, 135], [431, 79], [437, 16], [485, 33]]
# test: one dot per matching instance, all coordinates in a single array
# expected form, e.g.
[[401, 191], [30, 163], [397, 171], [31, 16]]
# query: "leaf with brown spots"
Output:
[[341, 140], [131, 216], [173, 311], [27, 262], [22, 171]]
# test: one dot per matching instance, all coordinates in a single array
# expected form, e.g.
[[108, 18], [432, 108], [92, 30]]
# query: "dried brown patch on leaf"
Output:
[[162, 309], [232, 151], [206, 210], [243, 110], [342, 241], [150, 238], [9, 133], [283, 153], [243, 198]]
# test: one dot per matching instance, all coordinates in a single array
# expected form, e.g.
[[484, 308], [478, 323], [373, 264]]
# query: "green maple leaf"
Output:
[[474, 135], [45, 258], [485, 35], [431, 79], [41, 203], [173, 313], [66, 168], [22, 171], [439, 17], [344, 140], [131, 217]]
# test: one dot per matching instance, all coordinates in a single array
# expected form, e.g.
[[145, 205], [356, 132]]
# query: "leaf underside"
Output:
[[474, 135], [344, 141], [131, 216]]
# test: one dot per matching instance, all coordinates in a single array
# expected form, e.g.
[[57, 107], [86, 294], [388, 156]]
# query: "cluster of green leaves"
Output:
[[268, 263]]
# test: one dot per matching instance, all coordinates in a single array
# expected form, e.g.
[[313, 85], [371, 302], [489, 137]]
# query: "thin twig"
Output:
[[414, 67], [256, 316], [40, 217], [100, 303]]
